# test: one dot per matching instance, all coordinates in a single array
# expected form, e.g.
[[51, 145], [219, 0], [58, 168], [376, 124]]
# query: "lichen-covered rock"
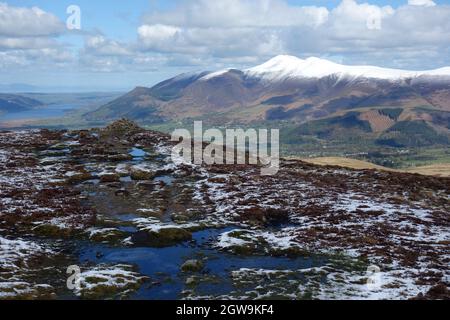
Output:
[[74, 177], [171, 235], [157, 233], [120, 128], [140, 174], [122, 193], [52, 231], [161, 238], [106, 235], [192, 265], [191, 281], [109, 177]]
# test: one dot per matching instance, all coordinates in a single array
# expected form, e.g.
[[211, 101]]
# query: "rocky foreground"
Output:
[[117, 188]]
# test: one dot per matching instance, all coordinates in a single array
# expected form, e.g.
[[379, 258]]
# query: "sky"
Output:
[[124, 44]]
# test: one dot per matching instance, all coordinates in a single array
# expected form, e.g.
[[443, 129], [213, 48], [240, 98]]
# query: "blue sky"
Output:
[[123, 44]]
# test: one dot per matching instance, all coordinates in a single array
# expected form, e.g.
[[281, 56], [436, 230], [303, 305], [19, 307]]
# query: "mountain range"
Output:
[[311, 93], [17, 103]]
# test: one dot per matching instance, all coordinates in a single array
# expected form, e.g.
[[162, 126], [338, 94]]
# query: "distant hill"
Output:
[[17, 103], [315, 96]]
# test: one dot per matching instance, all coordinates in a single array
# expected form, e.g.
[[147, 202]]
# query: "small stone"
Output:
[[79, 177], [192, 265], [122, 193], [137, 174], [191, 281], [109, 177]]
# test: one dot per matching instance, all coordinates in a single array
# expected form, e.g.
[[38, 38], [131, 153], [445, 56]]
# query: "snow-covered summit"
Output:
[[284, 67]]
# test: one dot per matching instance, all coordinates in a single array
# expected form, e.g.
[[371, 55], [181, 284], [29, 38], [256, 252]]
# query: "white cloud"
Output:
[[101, 54], [226, 28], [357, 32], [157, 33], [205, 34], [426, 3], [239, 13], [7, 43], [101, 46], [26, 22], [28, 38], [41, 59]]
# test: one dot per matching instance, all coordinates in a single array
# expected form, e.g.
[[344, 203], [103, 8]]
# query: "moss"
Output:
[[52, 231], [95, 280], [105, 291], [343, 262], [162, 238], [243, 250], [174, 234], [291, 252]]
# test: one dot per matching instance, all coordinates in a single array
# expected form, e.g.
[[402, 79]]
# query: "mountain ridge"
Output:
[[297, 91], [17, 103], [285, 66]]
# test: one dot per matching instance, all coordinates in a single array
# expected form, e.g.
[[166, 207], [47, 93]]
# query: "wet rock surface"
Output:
[[112, 201]]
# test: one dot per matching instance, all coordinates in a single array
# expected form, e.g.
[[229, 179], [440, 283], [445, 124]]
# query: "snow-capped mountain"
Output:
[[283, 88], [289, 67]]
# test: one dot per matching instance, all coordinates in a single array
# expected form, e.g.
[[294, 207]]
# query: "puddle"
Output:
[[92, 182], [127, 217], [168, 180], [162, 265], [128, 229], [137, 154], [126, 179]]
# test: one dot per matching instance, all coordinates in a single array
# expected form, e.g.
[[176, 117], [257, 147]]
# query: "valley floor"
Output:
[[437, 170], [141, 226]]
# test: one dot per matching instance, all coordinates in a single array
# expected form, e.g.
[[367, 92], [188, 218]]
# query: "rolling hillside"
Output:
[[312, 98], [16, 103], [438, 170]]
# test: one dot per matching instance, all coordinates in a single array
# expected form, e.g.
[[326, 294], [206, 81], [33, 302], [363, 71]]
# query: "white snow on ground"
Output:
[[346, 208], [155, 225], [15, 257], [118, 279], [13, 252], [122, 169], [226, 241], [282, 239], [411, 223], [144, 167], [92, 232], [326, 283], [12, 289], [64, 223]]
